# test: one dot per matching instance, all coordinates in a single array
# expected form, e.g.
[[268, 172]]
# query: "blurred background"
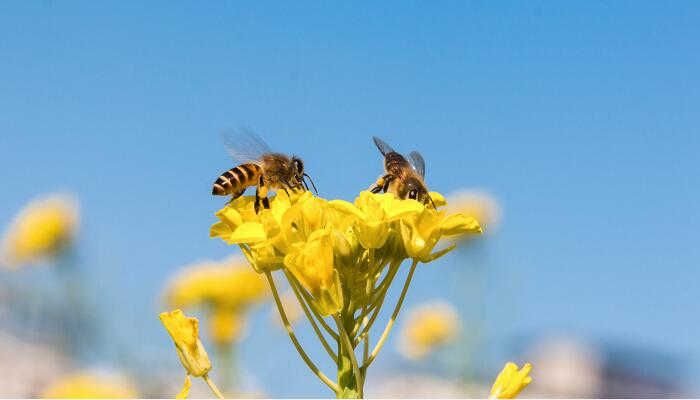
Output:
[[570, 127]]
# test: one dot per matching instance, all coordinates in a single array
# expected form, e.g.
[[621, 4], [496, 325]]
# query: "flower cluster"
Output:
[[225, 290], [322, 242], [340, 259]]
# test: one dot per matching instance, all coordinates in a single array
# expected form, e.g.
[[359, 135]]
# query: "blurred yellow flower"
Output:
[[422, 231], [90, 385], [427, 327], [225, 289], [185, 334], [479, 204], [44, 228], [511, 381]]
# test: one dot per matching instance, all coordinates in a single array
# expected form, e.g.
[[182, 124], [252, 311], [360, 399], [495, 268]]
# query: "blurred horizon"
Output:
[[579, 118]]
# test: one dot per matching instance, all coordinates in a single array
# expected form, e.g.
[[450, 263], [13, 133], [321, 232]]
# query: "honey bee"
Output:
[[260, 167], [403, 177]]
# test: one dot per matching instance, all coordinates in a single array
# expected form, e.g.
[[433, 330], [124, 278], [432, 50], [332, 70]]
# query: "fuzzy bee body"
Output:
[[403, 177], [261, 168]]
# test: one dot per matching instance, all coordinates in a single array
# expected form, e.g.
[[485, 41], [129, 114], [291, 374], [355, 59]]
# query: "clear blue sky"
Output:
[[581, 117]]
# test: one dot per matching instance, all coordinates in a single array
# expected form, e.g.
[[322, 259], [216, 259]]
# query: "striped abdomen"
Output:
[[237, 179], [394, 163]]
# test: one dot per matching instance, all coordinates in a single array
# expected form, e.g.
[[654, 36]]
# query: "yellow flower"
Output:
[[427, 327], [41, 230], [479, 204], [225, 326], [258, 234], [511, 381], [311, 262], [225, 284], [422, 231], [374, 213], [90, 385], [226, 289], [185, 334]]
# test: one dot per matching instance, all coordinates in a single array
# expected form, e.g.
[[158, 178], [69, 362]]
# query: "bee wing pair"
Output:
[[244, 145], [259, 167], [414, 158]]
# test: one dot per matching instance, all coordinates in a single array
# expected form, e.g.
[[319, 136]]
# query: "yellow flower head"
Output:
[[185, 334], [427, 327], [511, 381], [311, 262], [41, 230], [422, 231], [90, 385], [374, 214], [258, 234]]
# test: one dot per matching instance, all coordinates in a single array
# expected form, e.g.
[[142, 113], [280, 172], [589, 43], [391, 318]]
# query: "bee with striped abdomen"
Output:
[[405, 178], [260, 167]]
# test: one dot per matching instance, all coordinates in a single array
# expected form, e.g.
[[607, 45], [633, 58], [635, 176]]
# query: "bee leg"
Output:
[[261, 195], [382, 183]]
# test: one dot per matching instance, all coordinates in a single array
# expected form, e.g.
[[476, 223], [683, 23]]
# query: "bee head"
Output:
[[297, 166], [416, 190]]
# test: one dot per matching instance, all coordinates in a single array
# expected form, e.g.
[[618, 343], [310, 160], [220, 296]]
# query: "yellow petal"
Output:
[[230, 216], [457, 224], [220, 229], [401, 208], [347, 207], [185, 389], [438, 199], [511, 381], [249, 232]]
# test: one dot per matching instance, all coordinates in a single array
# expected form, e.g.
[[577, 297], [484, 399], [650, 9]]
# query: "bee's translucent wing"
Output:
[[244, 145], [417, 162], [382, 146]]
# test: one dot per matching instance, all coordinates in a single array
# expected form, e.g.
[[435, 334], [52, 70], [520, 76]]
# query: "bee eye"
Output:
[[413, 194], [298, 165]]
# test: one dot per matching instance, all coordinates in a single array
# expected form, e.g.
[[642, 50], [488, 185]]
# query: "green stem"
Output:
[[311, 318], [349, 376], [392, 320], [293, 337], [393, 269], [212, 386], [314, 309]]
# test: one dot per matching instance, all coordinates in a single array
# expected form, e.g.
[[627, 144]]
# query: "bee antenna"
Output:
[[431, 200], [310, 180]]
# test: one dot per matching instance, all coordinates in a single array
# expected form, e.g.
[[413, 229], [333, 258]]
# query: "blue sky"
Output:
[[580, 117]]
